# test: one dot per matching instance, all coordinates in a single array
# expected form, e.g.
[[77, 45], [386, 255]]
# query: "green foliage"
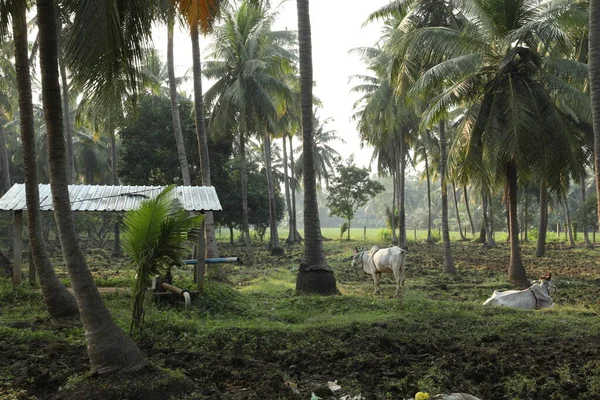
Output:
[[343, 229], [154, 237], [385, 234], [587, 214], [148, 152], [258, 198], [350, 189], [519, 387]]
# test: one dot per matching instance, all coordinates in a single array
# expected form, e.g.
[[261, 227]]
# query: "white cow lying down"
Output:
[[533, 298], [377, 261]]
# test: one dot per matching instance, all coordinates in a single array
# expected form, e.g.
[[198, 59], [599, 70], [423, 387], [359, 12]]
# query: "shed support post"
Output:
[[200, 266], [18, 247]]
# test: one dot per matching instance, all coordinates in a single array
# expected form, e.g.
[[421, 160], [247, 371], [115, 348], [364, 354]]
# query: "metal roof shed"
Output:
[[98, 198]]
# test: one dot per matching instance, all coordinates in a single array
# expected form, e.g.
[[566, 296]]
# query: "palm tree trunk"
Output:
[[483, 230], [569, 224], [5, 178], [109, 348], [314, 275], [448, 259], [288, 199], [429, 219], [58, 300], [274, 245], [297, 237], [66, 104], [586, 236], [516, 270], [540, 250], [401, 193], [462, 236], [394, 197], [466, 197], [488, 218], [209, 221], [594, 74], [244, 182], [183, 162]]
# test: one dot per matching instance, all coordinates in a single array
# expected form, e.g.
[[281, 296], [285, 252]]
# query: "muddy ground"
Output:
[[381, 368]]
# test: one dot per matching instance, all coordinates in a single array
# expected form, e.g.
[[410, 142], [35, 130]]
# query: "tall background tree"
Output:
[[314, 275]]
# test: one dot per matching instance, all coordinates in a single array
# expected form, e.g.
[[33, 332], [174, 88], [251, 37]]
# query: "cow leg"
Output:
[[397, 276], [376, 276]]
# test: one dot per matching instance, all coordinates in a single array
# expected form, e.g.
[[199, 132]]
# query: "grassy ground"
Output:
[[252, 337]]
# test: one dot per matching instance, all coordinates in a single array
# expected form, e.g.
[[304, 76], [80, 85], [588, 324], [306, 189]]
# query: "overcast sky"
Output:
[[336, 28]]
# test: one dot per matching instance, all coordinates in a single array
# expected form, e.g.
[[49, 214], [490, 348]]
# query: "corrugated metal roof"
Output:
[[112, 198]]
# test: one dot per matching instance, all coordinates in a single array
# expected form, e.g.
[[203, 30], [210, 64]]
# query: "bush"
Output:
[[385, 234]]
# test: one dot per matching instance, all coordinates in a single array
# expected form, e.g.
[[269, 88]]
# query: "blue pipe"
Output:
[[214, 260]]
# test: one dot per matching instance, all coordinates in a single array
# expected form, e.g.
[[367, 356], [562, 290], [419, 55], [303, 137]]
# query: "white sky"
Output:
[[336, 28]]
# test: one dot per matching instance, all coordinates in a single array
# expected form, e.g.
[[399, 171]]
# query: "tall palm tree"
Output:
[[60, 26], [314, 275], [274, 246], [58, 300], [293, 187], [387, 122], [510, 92], [183, 162], [109, 348], [423, 152], [289, 121], [200, 16], [448, 258], [249, 65], [594, 66], [93, 157]]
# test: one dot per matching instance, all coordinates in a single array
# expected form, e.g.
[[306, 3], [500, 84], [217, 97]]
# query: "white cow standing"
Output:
[[377, 261], [535, 297]]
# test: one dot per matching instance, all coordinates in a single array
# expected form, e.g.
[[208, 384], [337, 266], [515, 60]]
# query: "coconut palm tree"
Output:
[[92, 153], [314, 275], [594, 64], [58, 300], [8, 91], [514, 123], [109, 348], [403, 17], [288, 122], [386, 121], [250, 62], [183, 162], [200, 16]]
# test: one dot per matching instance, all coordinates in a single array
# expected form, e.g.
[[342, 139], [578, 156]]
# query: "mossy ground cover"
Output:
[[252, 337]]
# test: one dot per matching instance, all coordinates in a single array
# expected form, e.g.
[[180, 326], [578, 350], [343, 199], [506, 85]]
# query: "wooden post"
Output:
[[365, 233], [200, 267], [18, 247]]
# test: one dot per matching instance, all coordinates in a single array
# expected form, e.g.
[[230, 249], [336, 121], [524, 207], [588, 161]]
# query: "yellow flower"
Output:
[[422, 396]]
